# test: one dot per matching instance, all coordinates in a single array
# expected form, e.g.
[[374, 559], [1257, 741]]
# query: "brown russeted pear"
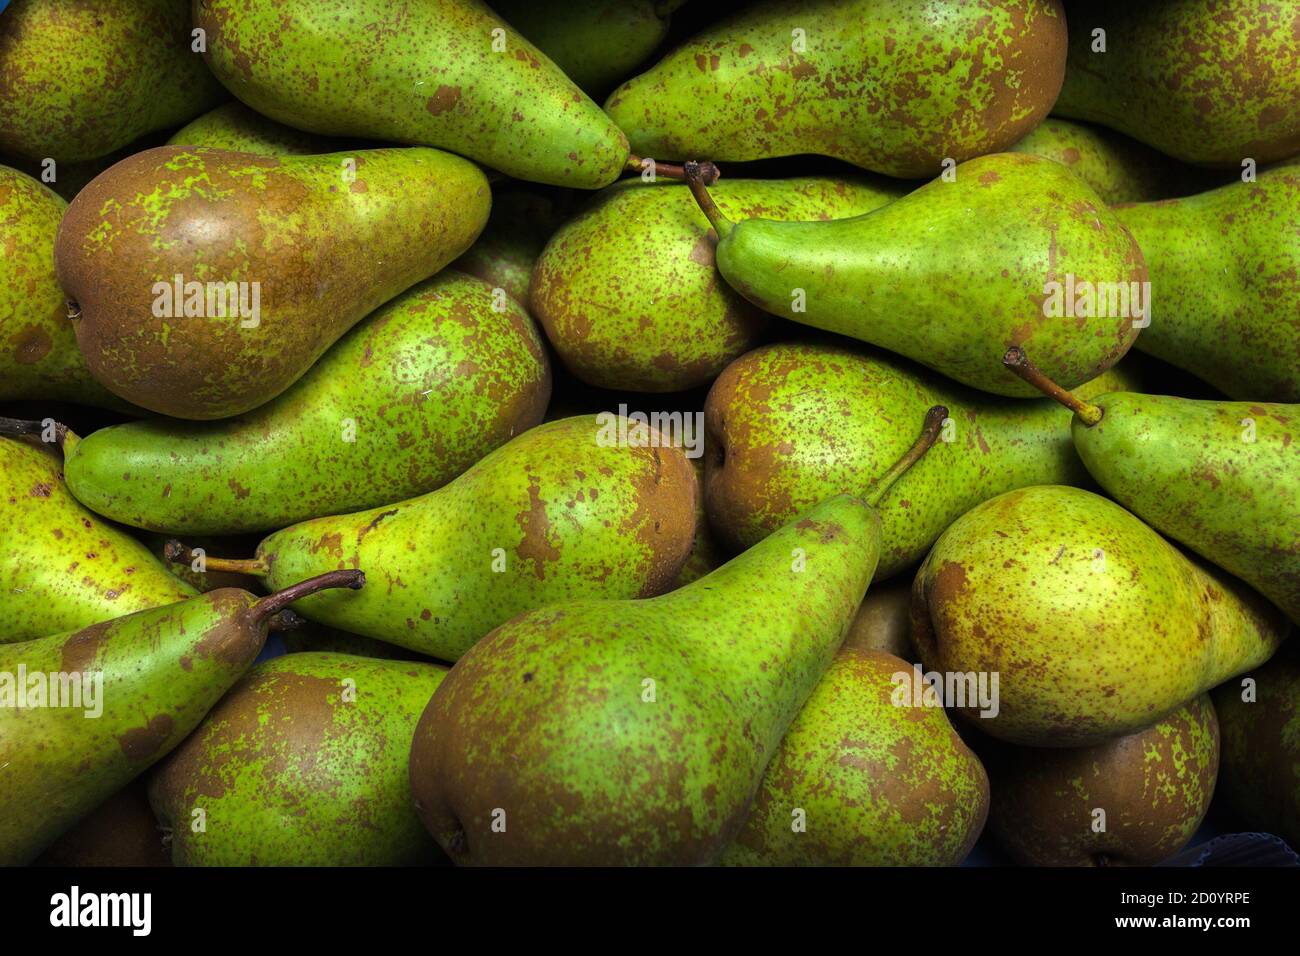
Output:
[[884, 620], [205, 282], [121, 831], [1132, 801], [1096, 625], [637, 732], [86, 712]]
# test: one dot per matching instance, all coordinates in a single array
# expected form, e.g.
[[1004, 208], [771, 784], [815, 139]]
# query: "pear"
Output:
[[86, 712], [39, 358], [524, 217], [865, 777], [889, 85], [636, 732], [1132, 801], [1205, 82], [302, 763], [597, 44], [1096, 625], [62, 567], [884, 621], [121, 831], [82, 80], [206, 282], [1222, 478], [1226, 267], [639, 258], [402, 404], [953, 274], [567, 509], [1259, 780], [446, 73], [792, 424], [235, 127]]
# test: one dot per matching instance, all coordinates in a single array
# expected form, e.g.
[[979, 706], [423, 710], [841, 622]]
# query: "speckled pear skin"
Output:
[[524, 216], [402, 404], [639, 259], [572, 518], [39, 358], [550, 713], [82, 78], [430, 77], [598, 43], [1096, 625], [1238, 327], [789, 425], [62, 567], [1222, 478], [302, 763], [878, 784], [235, 127], [1259, 779], [883, 621], [163, 670], [328, 238], [889, 85], [1156, 82], [1154, 785], [1008, 225]]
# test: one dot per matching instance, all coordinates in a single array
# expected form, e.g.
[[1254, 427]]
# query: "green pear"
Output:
[[636, 732], [524, 217], [597, 44], [889, 85], [706, 554], [1225, 265], [62, 567], [953, 274], [446, 73], [1204, 81], [883, 621], [311, 637], [639, 260], [1260, 718], [39, 358], [81, 80], [86, 712], [566, 509], [865, 777], [1222, 478], [122, 831], [402, 404], [792, 424], [1096, 625], [1132, 801], [206, 282], [302, 763], [235, 127]]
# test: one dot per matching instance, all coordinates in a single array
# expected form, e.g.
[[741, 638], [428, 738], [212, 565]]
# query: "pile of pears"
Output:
[[647, 432]]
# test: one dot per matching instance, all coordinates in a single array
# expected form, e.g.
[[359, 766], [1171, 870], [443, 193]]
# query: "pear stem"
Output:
[[1018, 362], [177, 552], [695, 179], [934, 419], [21, 428], [708, 171], [274, 603]]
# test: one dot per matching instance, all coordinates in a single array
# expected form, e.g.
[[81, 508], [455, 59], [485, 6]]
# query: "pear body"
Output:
[[61, 566], [81, 80], [789, 425], [640, 259], [403, 403], [283, 255], [1237, 326], [445, 73], [636, 732], [870, 781], [1154, 787], [1222, 478], [1097, 626], [884, 621], [302, 763], [1153, 81], [524, 216], [1015, 231], [121, 831], [162, 670], [889, 85], [1260, 776], [552, 515], [235, 127]]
